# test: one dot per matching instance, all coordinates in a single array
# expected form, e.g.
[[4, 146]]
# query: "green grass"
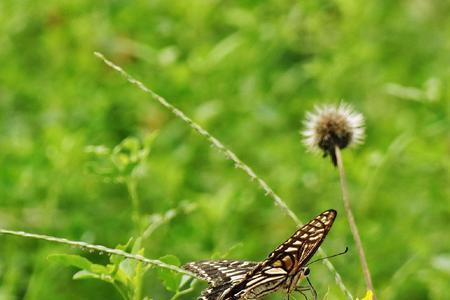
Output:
[[247, 72]]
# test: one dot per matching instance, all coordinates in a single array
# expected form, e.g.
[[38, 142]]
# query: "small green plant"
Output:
[[175, 282], [126, 274], [125, 270], [123, 273], [121, 165]]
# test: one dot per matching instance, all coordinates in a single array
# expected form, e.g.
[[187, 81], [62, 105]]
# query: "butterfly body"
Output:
[[282, 270]]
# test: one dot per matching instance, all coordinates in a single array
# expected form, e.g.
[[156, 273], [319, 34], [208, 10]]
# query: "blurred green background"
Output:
[[247, 71]]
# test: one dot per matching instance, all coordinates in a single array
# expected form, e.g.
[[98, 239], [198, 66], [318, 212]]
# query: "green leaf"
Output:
[[137, 247], [131, 144], [72, 260], [171, 260], [117, 259], [170, 279], [185, 279], [79, 262], [150, 138], [121, 276], [83, 274]]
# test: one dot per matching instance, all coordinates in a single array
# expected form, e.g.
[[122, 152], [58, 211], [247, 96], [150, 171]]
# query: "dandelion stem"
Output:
[[351, 221]]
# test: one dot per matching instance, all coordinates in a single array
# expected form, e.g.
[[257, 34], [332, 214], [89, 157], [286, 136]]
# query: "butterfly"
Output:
[[283, 269]]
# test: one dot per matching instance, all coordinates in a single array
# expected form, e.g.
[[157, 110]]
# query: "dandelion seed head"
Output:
[[330, 126]]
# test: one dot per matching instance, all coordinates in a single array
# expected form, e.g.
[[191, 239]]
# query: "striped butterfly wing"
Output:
[[283, 268], [220, 274]]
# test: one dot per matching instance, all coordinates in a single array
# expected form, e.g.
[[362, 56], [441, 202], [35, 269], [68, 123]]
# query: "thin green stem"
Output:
[[101, 249], [214, 141], [138, 282], [120, 290], [132, 191], [164, 219], [184, 292], [351, 221]]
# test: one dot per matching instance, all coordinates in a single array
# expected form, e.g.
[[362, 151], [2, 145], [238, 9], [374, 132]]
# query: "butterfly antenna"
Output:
[[334, 255]]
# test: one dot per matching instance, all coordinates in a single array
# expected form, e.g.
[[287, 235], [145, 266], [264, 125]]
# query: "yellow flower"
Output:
[[368, 296]]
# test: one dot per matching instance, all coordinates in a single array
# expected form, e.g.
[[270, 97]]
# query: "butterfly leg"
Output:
[[289, 296], [302, 290], [312, 289]]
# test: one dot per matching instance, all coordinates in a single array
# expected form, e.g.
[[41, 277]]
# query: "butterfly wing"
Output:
[[303, 244], [213, 293], [282, 269], [220, 274]]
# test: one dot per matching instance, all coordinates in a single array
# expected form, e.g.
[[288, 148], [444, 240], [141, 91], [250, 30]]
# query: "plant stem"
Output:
[[184, 292], [101, 249], [132, 191], [138, 281], [120, 290], [351, 221]]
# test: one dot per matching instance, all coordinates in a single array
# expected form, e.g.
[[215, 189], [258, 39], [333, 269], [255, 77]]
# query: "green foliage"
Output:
[[175, 282], [120, 164], [247, 71], [123, 273], [171, 279]]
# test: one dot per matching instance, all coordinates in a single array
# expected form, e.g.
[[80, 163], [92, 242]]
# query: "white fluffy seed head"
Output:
[[330, 126]]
